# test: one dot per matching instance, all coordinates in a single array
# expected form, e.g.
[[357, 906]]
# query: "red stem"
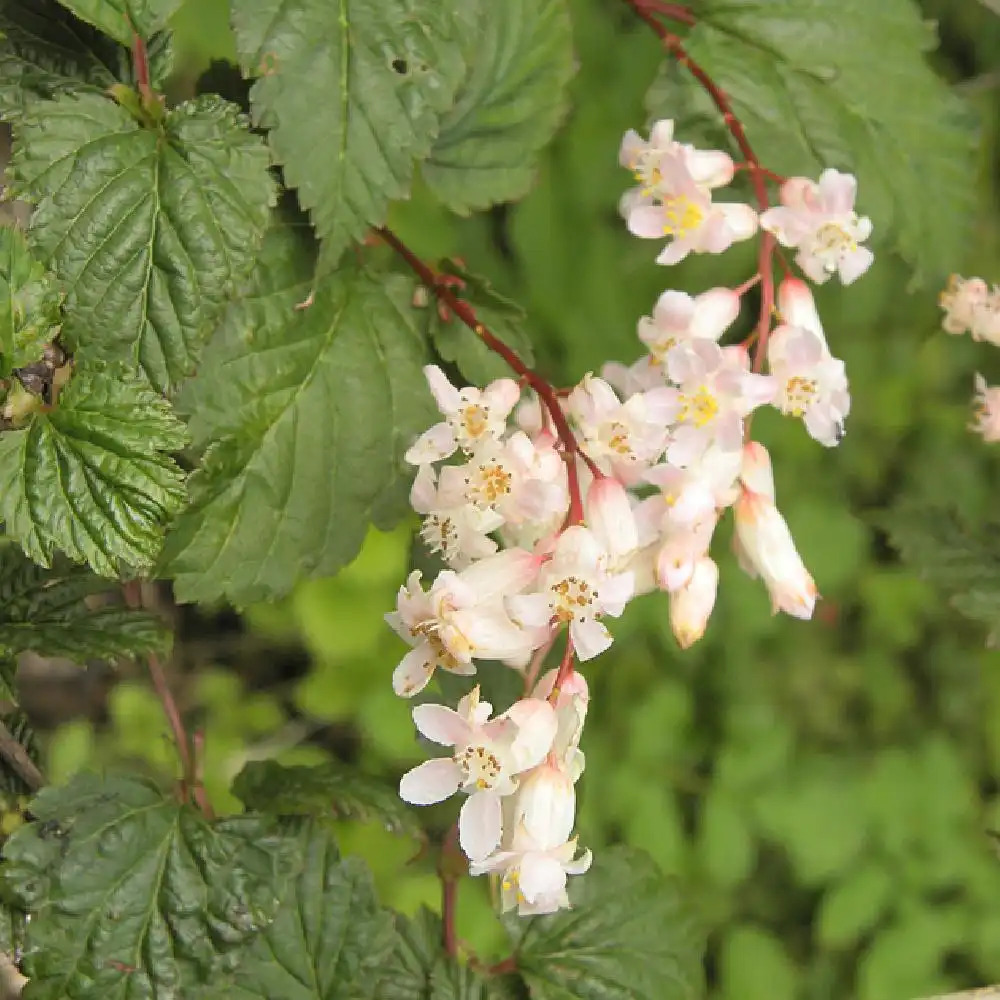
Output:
[[449, 891], [647, 10], [565, 669], [140, 59], [546, 393]]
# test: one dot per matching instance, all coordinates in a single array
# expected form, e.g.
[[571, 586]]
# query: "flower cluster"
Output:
[[971, 306], [551, 510]]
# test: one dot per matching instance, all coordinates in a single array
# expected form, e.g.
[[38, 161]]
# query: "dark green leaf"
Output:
[[149, 233], [520, 58], [29, 304], [329, 939], [122, 18], [352, 94], [91, 477], [45, 51], [841, 83], [330, 789], [132, 894], [962, 560], [456, 343], [307, 413], [629, 936], [47, 611]]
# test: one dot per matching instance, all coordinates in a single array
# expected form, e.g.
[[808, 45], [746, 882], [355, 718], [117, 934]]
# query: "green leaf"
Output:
[[328, 940], [755, 966], [122, 18], [381, 76], [45, 51], [725, 843], [962, 560], [307, 413], [149, 233], [629, 936], [29, 304], [841, 83], [456, 343], [851, 907], [91, 477], [330, 789], [418, 969], [46, 611], [133, 894], [520, 58]]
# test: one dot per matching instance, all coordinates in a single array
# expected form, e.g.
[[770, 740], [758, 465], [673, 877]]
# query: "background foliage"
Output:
[[823, 790]]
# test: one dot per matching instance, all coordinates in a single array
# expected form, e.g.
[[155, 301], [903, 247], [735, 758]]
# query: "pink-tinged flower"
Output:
[[716, 390], [571, 713], [691, 605], [640, 376], [678, 318], [471, 416], [455, 530], [683, 210], [692, 493], [987, 422], [533, 880], [574, 587], [710, 168], [459, 618], [765, 547], [961, 300], [519, 479], [488, 757], [682, 547], [545, 805], [820, 221], [756, 472], [609, 515], [626, 437]]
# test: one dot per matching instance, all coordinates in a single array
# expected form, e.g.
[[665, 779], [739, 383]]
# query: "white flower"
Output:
[[987, 422], [755, 469], [716, 391], [766, 548], [471, 416], [705, 485], [819, 220], [961, 301], [575, 587], [624, 437], [488, 757], [520, 479], [460, 617], [456, 530], [533, 879], [710, 168], [683, 210], [545, 805], [691, 605], [678, 318], [627, 380], [609, 515], [682, 547]]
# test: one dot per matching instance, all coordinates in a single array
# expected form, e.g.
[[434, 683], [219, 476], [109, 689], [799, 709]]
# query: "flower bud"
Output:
[[610, 516], [545, 806], [767, 545], [691, 606], [755, 471]]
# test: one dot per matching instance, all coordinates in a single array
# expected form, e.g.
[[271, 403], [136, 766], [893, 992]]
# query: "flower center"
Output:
[[473, 423], [800, 394], [681, 215], [480, 766], [427, 630], [488, 483], [440, 534], [618, 440], [831, 242], [698, 408], [571, 597]]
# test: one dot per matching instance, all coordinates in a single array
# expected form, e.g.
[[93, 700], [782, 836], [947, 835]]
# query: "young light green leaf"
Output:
[[46, 611], [148, 232], [332, 790], [133, 894], [328, 940], [842, 83], [306, 414], [91, 477], [456, 343], [629, 936], [121, 19], [382, 74], [29, 303], [520, 58], [45, 51]]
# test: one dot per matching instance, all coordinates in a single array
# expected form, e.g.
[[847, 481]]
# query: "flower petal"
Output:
[[430, 782], [414, 671], [441, 724], [480, 824]]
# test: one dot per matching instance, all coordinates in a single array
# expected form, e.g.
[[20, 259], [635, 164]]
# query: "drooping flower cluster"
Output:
[[971, 306], [552, 510]]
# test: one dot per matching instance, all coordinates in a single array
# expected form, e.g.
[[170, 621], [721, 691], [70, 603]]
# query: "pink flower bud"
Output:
[[756, 472], [691, 606], [767, 545], [545, 806], [610, 517]]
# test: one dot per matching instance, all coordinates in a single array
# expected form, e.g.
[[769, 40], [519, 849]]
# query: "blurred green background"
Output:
[[825, 789]]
